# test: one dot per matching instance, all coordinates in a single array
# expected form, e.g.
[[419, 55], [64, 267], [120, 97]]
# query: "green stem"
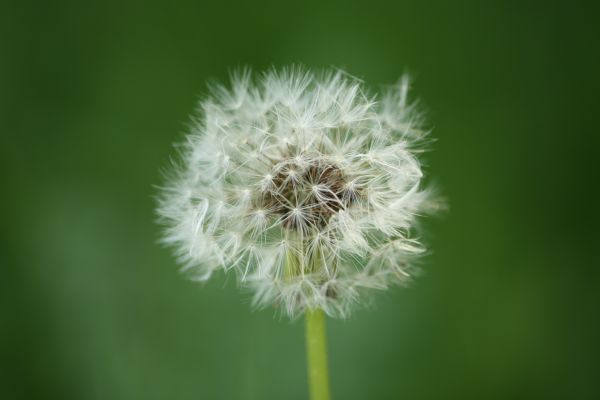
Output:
[[316, 351]]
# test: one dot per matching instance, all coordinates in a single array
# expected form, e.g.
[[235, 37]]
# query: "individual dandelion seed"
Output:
[[305, 185]]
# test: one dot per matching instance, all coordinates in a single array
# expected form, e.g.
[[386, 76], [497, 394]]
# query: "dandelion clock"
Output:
[[306, 187]]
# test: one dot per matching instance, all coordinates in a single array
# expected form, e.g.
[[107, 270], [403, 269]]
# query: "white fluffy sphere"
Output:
[[304, 185]]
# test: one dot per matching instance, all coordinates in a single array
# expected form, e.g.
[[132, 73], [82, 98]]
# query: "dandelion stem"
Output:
[[316, 351]]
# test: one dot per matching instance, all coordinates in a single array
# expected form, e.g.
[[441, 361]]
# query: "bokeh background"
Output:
[[92, 96]]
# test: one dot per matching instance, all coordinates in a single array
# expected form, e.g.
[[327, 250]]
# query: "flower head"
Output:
[[304, 185]]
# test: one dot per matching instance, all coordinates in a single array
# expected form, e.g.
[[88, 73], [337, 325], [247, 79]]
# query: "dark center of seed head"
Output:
[[307, 195]]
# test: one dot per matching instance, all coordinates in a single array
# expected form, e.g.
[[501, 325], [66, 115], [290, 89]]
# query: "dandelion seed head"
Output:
[[304, 184]]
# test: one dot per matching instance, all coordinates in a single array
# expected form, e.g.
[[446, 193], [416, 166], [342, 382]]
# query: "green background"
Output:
[[92, 96]]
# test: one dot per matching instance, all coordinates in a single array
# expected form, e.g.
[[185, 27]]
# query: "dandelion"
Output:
[[305, 185]]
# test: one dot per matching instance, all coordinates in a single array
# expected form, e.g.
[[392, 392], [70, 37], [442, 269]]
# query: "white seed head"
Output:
[[303, 184]]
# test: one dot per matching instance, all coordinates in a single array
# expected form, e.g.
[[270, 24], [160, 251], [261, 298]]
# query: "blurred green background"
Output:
[[92, 96]]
